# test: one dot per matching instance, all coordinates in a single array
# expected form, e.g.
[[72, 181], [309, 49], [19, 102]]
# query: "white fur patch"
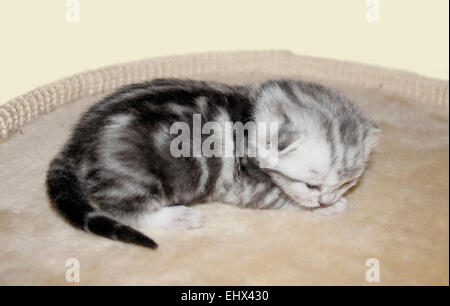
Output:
[[172, 217]]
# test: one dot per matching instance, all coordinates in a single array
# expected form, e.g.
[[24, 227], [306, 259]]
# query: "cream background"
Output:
[[38, 45]]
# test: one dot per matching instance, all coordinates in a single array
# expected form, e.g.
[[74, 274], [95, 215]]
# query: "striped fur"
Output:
[[116, 171]]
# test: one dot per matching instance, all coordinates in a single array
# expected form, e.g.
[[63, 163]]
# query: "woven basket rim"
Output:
[[281, 63]]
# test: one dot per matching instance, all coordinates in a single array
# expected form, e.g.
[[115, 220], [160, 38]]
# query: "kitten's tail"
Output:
[[66, 193]]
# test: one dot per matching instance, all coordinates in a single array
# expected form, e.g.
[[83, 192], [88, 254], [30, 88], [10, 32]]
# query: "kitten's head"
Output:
[[324, 142]]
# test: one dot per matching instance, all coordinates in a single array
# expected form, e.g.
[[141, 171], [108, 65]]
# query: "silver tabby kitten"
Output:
[[117, 172]]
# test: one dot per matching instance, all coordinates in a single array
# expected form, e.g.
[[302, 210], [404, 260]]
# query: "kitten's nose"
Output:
[[327, 199]]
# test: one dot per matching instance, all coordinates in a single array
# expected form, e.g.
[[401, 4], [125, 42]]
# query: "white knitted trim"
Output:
[[23, 109]]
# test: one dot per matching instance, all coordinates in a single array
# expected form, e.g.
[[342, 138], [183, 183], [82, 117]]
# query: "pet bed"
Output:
[[398, 215]]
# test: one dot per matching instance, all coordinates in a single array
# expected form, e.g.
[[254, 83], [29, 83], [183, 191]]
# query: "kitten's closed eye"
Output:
[[310, 186]]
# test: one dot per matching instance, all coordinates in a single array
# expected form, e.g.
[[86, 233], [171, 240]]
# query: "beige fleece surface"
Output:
[[399, 213]]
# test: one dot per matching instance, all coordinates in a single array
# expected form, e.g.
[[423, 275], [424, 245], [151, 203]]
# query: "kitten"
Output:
[[118, 172]]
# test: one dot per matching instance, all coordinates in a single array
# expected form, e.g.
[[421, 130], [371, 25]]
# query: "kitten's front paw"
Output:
[[333, 209]]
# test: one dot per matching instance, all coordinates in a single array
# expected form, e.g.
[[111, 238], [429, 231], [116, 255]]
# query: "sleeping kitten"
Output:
[[118, 170]]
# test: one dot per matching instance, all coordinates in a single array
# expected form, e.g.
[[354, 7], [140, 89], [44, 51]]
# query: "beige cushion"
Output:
[[399, 213]]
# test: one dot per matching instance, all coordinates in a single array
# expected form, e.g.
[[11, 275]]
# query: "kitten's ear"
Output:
[[268, 158], [291, 147]]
